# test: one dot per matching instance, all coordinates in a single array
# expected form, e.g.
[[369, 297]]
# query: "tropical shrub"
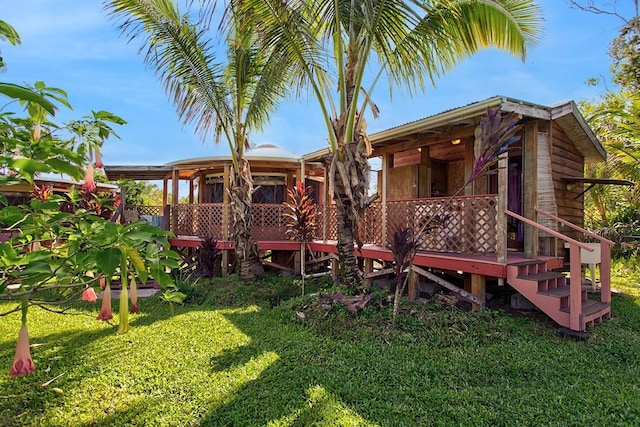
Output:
[[60, 248]]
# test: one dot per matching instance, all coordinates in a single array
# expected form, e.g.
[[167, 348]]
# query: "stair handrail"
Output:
[[605, 256], [549, 231], [575, 270], [576, 227]]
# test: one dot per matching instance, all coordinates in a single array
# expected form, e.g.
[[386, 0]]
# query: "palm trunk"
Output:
[[350, 173], [248, 264]]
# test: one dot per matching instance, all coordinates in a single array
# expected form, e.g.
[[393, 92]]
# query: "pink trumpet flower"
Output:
[[22, 363], [89, 295], [105, 311], [98, 162], [89, 183]]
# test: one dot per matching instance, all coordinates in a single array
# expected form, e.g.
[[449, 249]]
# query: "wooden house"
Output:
[[519, 225]]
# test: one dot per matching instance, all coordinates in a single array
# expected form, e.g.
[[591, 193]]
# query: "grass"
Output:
[[228, 359]]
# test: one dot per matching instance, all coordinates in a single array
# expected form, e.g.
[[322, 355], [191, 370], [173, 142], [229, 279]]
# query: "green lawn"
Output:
[[246, 364]]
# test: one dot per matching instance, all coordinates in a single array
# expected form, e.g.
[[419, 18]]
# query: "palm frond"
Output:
[[182, 57]]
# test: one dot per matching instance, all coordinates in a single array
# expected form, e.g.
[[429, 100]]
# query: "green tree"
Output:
[[228, 99], [8, 33], [141, 193], [615, 119], [332, 44]]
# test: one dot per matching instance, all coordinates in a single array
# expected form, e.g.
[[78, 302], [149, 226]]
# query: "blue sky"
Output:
[[73, 45]]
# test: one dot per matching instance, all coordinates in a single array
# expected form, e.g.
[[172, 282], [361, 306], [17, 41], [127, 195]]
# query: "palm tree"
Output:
[[333, 42], [227, 99]]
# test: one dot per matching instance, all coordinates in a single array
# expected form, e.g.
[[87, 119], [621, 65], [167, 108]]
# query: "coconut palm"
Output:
[[332, 43], [226, 99]]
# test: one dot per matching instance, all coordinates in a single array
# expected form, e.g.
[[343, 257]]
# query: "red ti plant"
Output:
[[301, 215], [301, 219], [404, 248]]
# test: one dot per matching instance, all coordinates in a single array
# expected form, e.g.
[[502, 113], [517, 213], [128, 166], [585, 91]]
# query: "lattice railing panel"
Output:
[[147, 210], [269, 222], [328, 230], [371, 225], [202, 219], [469, 226]]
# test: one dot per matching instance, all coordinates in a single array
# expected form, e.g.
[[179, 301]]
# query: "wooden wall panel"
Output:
[[567, 161], [403, 183], [406, 158]]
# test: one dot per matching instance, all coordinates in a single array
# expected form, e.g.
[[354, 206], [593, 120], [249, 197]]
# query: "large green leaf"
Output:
[[67, 168], [29, 165], [108, 260], [161, 276], [25, 94], [138, 263]]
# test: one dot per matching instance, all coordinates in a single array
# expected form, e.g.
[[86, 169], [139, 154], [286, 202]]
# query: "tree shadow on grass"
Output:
[[71, 352], [296, 388], [318, 380], [61, 355]]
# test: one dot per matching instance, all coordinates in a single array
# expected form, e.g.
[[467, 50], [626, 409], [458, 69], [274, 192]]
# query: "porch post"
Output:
[[386, 161], [302, 172], [202, 182], [530, 171], [165, 191], [191, 190], [175, 177], [501, 217], [327, 203], [225, 202]]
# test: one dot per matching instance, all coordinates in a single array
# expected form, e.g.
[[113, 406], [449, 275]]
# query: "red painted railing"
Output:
[[575, 268], [605, 255]]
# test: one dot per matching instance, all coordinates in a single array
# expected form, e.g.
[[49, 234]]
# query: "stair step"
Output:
[[590, 307], [539, 277], [529, 262], [561, 291]]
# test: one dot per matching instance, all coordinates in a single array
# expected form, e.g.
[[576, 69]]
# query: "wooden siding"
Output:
[[566, 161]]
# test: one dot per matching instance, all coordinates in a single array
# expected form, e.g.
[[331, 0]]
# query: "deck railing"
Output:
[[470, 226]]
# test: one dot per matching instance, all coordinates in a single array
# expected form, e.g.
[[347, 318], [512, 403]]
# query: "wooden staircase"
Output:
[[550, 291], [564, 300]]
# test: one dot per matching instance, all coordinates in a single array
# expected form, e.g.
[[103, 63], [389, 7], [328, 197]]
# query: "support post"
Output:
[[386, 161], [501, 217], [412, 291], [478, 290], [226, 202], [368, 268], [530, 170], [175, 178], [575, 289]]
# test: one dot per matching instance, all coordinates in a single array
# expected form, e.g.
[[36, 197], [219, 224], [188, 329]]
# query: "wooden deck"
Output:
[[485, 265]]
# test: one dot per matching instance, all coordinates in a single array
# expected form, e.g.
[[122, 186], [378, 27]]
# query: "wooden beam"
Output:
[[423, 140], [453, 288], [383, 272]]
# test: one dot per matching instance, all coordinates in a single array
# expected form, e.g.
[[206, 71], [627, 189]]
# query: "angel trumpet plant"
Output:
[[22, 362], [123, 326]]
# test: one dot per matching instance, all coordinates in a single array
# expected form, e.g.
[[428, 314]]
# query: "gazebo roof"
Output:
[[262, 153]]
